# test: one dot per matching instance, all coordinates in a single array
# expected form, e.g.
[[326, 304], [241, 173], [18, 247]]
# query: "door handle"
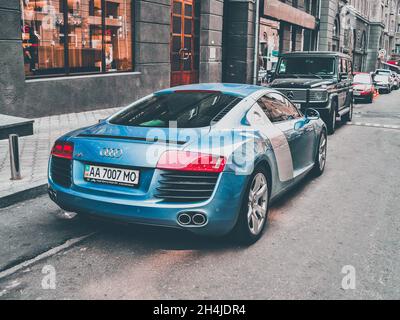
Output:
[[184, 54]]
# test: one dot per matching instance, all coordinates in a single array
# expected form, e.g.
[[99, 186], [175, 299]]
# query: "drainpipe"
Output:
[[256, 40], [319, 18]]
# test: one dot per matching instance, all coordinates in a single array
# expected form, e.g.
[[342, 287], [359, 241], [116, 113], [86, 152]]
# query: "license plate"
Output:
[[117, 176], [356, 93], [297, 105]]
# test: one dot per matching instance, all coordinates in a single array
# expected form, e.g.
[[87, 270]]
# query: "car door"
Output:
[[284, 115], [349, 83], [342, 83]]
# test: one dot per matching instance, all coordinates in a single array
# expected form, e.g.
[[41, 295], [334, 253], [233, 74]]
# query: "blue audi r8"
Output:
[[208, 158]]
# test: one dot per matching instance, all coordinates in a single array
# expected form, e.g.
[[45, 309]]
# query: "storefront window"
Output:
[[99, 36]]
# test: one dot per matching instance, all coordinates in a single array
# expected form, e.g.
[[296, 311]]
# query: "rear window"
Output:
[[383, 78], [362, 79], [187, 109], [383, 72]]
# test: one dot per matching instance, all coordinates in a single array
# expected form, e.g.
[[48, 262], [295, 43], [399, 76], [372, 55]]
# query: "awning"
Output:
[[284, 12], [391, 66]]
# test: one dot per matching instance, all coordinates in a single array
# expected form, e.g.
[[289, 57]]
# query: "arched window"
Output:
[[363, 43], [336, 34], [354, 40], [336, 28]]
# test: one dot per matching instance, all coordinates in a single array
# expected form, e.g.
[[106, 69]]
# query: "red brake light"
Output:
[[191, 161], [63, 149]]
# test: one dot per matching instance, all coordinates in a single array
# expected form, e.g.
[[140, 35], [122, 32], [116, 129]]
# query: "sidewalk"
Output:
[[34, 153]]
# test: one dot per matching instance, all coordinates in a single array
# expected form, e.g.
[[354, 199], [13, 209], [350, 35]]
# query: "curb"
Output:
[[23, 195]]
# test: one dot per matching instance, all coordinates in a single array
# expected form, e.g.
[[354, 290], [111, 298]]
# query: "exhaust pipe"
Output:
[[199, 219], [184, 219]]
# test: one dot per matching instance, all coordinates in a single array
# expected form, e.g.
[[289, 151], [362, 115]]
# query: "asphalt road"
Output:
[[350, 216]]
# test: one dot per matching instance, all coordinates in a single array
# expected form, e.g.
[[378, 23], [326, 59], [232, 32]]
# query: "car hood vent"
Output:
[[225, 110]]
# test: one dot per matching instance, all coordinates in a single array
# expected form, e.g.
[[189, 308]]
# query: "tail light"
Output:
[[191, 161], [63, 149]]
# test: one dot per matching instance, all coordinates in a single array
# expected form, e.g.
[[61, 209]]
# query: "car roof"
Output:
[[235, 89], [316, 53]]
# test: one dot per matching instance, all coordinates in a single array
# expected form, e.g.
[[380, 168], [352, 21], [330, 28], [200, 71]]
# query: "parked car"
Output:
[[133, 167], [395, 78], [394, 83], [363, 87], [383, 82], [383, 71], [320, 80]]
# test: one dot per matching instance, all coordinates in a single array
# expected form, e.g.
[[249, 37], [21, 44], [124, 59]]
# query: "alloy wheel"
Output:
[[322, 152], [258, 203]]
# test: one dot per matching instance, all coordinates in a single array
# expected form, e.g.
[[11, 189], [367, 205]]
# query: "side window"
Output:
[[282, 67], [277, 108]]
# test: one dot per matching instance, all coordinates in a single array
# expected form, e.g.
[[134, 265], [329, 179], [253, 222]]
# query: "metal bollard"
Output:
[[14, 157]]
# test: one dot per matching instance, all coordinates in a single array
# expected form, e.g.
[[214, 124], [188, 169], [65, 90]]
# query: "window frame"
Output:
[[300, 114], [65, 29]]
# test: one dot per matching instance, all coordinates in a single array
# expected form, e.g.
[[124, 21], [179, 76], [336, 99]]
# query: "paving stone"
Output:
[[35, 149]]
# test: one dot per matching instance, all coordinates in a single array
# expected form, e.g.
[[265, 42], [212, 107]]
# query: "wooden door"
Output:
[[185, 34]]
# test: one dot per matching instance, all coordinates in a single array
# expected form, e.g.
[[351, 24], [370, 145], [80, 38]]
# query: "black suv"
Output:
[[319, 80]]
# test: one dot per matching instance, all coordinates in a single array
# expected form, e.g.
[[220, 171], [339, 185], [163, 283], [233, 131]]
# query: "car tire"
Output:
[[370, 98], [331, 121], [320, 157], [251, 221]]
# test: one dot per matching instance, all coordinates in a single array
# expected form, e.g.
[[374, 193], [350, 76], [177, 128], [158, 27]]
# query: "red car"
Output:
[[363, 87]]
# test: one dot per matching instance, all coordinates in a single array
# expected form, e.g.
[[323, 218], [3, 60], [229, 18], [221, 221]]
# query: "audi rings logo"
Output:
[[111, 152], [290, 95]]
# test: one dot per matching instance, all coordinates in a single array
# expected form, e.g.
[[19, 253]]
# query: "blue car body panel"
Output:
[[140, 205]]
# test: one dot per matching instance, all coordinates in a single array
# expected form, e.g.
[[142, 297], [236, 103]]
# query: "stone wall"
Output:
[[48, 96]]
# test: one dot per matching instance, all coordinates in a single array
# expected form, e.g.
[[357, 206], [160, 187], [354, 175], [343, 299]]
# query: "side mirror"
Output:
[[272, 76], [312, 114]]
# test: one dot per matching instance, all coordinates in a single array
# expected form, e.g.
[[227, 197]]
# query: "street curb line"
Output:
[[374, 125], [69, 243], [23, 195]]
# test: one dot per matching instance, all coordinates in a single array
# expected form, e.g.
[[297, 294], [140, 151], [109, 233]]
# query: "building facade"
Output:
[[397, 34], [292, 25], [61, 56], [364, 29]]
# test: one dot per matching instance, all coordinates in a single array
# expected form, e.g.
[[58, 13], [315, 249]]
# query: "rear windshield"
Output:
[[362, 79], [381, 77], [187, 109]]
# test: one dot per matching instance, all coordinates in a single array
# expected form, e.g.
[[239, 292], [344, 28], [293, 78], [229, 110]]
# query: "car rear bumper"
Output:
[[221, 209], [363, 96], [382, 87]]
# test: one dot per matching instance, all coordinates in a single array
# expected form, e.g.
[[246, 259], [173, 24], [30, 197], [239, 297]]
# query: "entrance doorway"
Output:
[[185, 41]]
